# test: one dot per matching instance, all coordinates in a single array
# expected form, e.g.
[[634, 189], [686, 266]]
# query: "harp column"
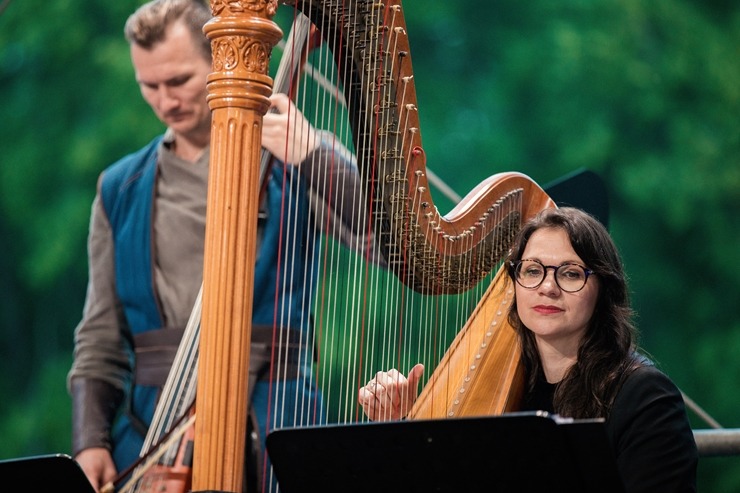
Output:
[[242, 36]]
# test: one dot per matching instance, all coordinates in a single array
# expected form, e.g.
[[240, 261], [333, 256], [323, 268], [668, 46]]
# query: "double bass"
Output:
[[430, 253]]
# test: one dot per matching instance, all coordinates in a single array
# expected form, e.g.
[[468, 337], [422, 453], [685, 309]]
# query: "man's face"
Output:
[[172, 78]]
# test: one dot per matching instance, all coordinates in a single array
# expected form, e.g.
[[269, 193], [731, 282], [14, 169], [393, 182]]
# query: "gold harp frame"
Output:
[[430, 253]]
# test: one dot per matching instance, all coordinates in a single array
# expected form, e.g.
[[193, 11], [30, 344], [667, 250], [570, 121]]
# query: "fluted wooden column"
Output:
[[242, 36]]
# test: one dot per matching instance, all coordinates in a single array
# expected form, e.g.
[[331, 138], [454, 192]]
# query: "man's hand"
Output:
[[97, 464], [286, 133]]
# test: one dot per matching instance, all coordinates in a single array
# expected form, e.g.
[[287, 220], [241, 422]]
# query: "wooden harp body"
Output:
[[428, 252]]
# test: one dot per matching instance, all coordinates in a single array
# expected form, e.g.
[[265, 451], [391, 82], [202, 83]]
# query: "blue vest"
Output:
[[127, 191]]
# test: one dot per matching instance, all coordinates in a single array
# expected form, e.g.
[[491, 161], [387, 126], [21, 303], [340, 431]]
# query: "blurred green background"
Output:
[[646, 94]]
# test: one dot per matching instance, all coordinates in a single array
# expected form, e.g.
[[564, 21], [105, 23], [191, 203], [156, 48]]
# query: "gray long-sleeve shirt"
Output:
[[102, 338]]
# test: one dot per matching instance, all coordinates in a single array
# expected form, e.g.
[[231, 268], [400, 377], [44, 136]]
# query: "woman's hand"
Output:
[[390, 394]]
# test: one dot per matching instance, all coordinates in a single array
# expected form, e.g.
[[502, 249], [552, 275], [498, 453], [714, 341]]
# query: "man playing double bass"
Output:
[[146, 245]]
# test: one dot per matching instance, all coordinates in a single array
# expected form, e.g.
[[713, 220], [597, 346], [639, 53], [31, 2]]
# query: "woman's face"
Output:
[[557, 318]]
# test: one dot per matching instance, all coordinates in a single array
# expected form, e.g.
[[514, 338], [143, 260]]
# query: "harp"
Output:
[[431, 254]]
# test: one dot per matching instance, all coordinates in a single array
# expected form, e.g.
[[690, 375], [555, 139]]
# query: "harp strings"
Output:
[[365, 318]]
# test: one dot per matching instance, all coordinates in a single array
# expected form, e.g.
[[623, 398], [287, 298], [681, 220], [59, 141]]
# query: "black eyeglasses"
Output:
[[570, 277]]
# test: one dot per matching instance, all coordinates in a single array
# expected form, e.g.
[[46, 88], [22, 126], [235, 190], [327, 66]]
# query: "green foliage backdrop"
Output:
[[646, 94]]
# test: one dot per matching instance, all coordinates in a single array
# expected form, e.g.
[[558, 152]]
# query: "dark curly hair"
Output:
[[608, 349]]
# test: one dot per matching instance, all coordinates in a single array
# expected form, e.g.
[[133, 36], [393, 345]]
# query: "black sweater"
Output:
[[648, 429]]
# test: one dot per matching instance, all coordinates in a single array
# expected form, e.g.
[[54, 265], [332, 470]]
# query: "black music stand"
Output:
[[583, 189], [517, 452], [56, 472]]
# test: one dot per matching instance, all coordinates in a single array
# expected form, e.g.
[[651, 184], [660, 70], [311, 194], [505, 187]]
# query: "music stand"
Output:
[[517, 452], [583, 189], [56, 472]]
